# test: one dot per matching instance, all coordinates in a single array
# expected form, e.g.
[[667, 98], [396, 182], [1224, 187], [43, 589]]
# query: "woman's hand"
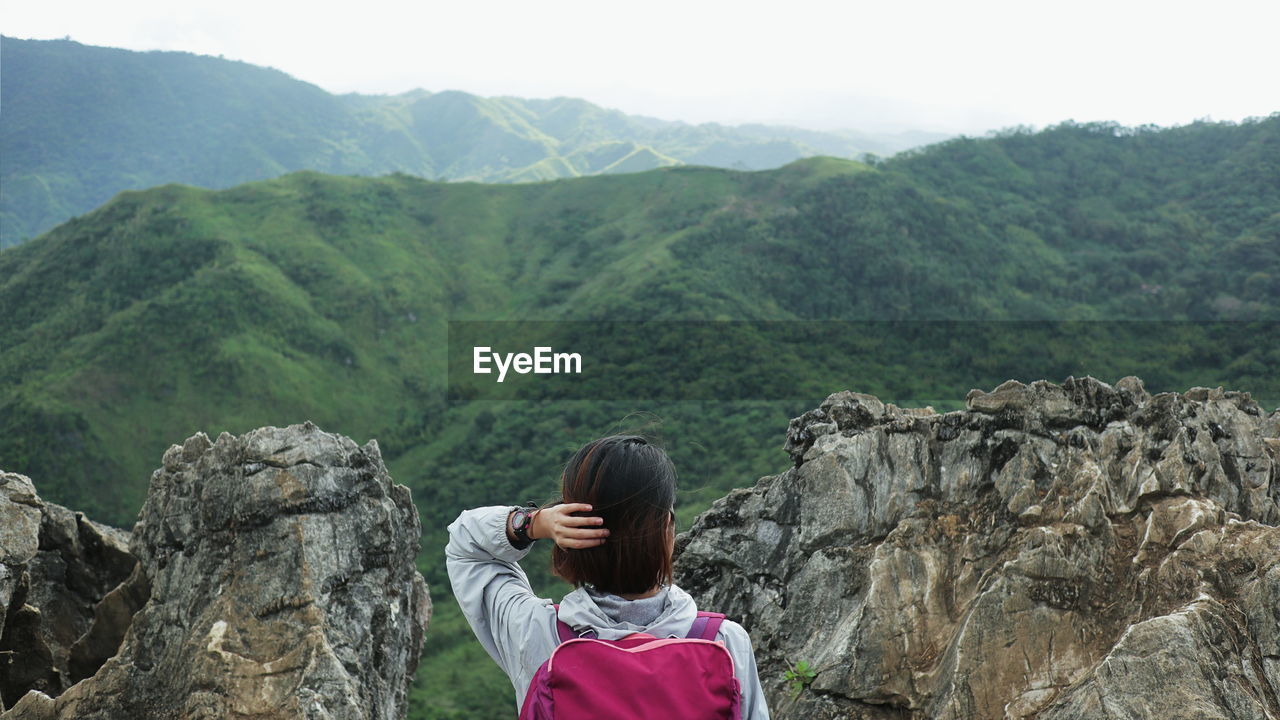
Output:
[[569, 531]]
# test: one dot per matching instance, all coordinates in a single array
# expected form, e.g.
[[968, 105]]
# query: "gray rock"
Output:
[[278, 580], [20, 514], [55, 567], [1053, 551]]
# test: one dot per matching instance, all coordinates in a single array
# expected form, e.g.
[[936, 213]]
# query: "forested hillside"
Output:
[[322, 297], [82, 123]]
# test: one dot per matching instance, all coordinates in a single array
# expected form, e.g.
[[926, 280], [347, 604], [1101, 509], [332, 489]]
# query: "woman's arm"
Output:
[[491, 587]]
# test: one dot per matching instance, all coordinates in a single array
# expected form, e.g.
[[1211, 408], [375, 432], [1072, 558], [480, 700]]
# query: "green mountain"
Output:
[[82, 123], [323, 297]]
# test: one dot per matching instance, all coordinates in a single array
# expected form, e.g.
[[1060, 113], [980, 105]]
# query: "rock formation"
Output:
[[56, 567], [1054, 551], [275, 578]]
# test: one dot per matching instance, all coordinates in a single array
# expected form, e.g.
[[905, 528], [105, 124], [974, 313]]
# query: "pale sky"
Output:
[[954, 66]]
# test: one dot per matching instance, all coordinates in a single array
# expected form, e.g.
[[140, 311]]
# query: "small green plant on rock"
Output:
[[799, 675]]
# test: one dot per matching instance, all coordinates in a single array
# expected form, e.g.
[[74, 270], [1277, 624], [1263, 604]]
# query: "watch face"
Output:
[[520, 519]]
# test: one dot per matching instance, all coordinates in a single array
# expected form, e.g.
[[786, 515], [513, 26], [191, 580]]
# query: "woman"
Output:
[[614, 536]]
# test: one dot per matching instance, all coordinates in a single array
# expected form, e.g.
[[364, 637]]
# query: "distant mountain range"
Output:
[[325, 297], [81, 123]]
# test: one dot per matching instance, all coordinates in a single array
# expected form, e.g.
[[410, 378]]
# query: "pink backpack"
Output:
[[639, 676]]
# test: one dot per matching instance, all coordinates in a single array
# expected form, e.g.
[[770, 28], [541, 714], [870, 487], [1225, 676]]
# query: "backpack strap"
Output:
[[706, 626], [564, 629]]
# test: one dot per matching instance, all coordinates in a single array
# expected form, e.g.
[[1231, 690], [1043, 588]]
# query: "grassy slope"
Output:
[[307, 296], [325, 297]]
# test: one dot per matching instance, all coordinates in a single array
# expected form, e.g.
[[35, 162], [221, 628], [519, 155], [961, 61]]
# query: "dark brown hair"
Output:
[[632, 485]]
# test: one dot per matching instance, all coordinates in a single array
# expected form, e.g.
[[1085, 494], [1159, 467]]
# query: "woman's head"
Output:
[[632, 485]]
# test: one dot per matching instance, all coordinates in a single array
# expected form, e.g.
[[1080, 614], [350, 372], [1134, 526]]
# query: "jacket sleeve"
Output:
[[492, 589], [738, 643]]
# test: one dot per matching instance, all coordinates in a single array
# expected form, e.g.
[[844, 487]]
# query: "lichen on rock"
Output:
[[1052, 551]]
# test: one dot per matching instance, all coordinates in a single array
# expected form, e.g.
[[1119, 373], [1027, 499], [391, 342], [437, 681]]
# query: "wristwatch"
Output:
[[521, 521]]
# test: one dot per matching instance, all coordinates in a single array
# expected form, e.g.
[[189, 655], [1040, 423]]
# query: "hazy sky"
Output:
[[952, 66]]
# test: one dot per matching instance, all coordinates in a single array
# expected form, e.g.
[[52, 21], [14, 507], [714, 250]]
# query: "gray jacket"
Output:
[[518, 629]]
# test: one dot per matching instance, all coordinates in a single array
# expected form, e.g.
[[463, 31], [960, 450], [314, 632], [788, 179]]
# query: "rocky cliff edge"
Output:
[[1080, 550], [269, 575]]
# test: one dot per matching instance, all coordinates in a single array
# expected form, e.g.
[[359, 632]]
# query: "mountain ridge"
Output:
[[82, 122], [335, 264]]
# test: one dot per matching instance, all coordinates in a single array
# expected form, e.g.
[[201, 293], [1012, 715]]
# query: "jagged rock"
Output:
[[1054, 551], [277, 570], [55, 567], [19, 534], [111, 619]]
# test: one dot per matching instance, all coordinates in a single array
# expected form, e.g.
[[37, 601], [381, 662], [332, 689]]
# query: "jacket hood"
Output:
[[585, 609]]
